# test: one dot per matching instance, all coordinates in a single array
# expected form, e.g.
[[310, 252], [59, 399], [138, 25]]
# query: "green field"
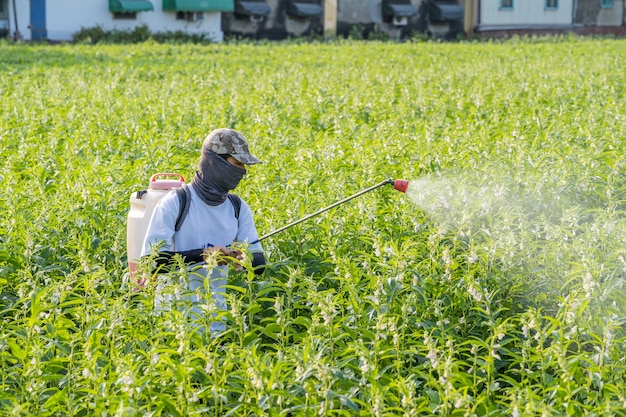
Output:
[[495, 288]]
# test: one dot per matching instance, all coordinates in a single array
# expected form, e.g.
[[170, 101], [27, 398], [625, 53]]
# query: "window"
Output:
[[4, 20], [190, 16], [506, 4], [607, 4], [124, 16], [552, 4]]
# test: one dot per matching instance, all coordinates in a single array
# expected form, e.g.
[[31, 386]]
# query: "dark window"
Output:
[[125, 16], [190, 16], [552, 4], [506, 4]]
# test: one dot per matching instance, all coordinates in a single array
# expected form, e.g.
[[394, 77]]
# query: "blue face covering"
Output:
[[215, 177]]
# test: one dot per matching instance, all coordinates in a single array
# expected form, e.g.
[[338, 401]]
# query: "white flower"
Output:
[[365, 365], [588, 284], [432, 356], [475, 293]]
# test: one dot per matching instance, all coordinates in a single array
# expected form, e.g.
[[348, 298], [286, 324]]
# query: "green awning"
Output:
[[199, 5], [130, 6]]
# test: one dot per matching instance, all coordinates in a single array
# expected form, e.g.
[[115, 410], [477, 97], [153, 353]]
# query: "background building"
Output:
[[58, 20], [506, 17]]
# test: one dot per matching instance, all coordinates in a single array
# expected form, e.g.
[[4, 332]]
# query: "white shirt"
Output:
[[203, 227]]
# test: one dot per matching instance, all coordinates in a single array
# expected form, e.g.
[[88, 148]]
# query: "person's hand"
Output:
[[225, 255]]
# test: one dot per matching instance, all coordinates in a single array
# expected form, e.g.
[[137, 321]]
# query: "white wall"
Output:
[[525, 12], [65, 17], [23, 18]]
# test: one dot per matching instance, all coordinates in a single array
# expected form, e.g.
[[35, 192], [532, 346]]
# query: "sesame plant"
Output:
[[494, 286]]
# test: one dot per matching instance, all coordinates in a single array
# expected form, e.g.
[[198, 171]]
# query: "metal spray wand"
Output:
[[387, 181]]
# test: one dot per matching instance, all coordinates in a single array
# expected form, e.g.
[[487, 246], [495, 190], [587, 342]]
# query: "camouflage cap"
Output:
[[231, 142]]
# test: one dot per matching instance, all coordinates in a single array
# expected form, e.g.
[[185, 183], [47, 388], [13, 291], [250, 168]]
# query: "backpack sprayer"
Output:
[[399, 185], [142, 205]]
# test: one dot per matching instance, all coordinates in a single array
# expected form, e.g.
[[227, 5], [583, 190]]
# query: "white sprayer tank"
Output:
[[142, 204]]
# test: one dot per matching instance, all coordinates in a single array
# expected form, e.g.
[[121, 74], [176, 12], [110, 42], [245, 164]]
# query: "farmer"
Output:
[[211, 229]]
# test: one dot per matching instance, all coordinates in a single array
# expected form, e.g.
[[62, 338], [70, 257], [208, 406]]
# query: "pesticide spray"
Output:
[[538, 230]]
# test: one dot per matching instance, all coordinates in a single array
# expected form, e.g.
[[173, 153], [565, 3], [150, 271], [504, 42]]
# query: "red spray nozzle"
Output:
[[401, 185]]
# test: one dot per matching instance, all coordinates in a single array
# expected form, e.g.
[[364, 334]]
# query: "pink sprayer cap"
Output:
[[401, 185], [166, 181]]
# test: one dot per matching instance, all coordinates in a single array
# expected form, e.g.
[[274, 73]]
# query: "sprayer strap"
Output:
[[236, 202], [184, 200]]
